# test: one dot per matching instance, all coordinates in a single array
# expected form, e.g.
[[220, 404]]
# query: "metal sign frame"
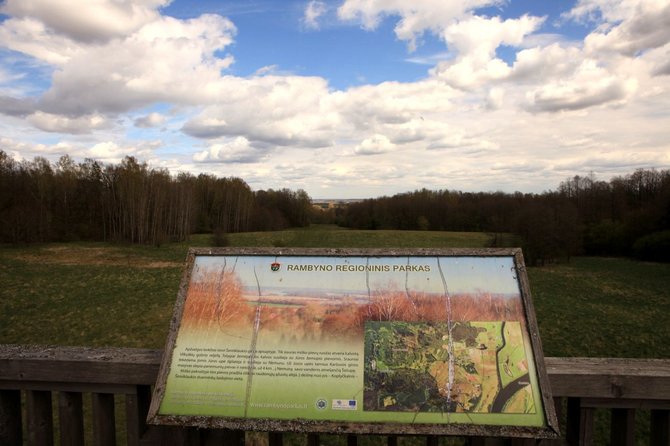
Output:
[[367, 341]]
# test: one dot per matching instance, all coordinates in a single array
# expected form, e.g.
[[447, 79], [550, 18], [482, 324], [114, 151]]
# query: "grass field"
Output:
[[100, 294], [319, 236]]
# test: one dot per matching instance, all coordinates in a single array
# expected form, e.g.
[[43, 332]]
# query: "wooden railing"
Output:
[[41, 384]]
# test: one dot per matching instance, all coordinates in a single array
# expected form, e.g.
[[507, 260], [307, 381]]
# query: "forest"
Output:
[[132, 202], [628, 215]]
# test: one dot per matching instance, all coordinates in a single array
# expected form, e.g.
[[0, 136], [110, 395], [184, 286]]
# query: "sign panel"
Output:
[[434, 342]]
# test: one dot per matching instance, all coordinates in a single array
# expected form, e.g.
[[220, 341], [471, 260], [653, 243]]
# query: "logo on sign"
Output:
[[344, 404], [275, 266], [321, 404]]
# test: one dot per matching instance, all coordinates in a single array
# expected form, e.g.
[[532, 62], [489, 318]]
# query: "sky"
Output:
[[347, 98]]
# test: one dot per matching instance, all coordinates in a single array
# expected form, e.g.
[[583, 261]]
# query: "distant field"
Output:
[[100, 294], [329, 236]]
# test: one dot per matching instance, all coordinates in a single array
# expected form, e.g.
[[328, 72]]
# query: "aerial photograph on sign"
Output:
[[415, 339], [408, 367]]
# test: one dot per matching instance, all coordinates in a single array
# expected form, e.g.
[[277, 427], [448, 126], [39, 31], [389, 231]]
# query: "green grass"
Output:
[[607, 307], [329, 236], [83, 304], [99, 294]]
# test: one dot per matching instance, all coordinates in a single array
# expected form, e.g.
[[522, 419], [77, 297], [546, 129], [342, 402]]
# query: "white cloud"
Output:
[[613, 161], [416, 17], [277, 110], [460, 140], [113, 152], [495, 97], [416, 129], [303, 112], [544, 64], [431, 59], [105, 151], [607, 11], [32, 37], [313, 11], [16, 107], [374, 145], [648, 27], [87, 20], [167, 60], [589, 86], [5, 77], [238, 150], [479, 37], [476, 40], [63, 124], [542, 39], [267, 69], [20, 150], [369, 107], [151, 120], [662, 68]]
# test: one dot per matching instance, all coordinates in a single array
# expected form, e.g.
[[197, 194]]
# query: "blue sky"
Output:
[[347, 98]]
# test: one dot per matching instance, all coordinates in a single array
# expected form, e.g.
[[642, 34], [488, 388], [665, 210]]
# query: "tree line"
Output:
[[132, 202], [628, 215]]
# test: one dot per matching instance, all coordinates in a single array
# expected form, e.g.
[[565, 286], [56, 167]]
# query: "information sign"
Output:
[[367, 341]]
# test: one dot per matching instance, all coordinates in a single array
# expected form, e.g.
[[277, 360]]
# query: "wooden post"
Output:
[[586, 426], [70, 418], [104, 425], [211, 437], [214, 437], [275, 439], [558, 408], [432, 440], [352, 440], [392, 440], [660, 428], [622, 429], [312, 439], [40, 418], [523, 442], [486, 441], [10, 417], [233, 438], [192, 436], [573, 422], [137, 407], [168, 435]]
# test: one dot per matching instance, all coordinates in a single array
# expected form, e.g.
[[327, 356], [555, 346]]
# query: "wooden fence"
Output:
[[41, 384]]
